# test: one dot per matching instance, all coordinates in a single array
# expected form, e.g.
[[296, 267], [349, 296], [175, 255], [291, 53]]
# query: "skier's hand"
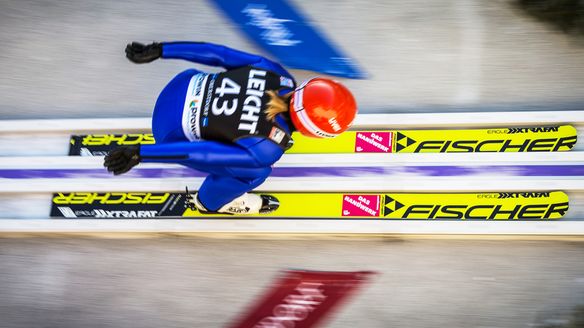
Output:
[[140, 53], [122, 159]]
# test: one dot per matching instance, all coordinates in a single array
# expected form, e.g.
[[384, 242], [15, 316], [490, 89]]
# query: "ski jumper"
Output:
[[215, 123]]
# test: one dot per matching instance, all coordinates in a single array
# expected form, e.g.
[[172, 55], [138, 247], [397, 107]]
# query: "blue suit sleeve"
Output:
[[217, 55], [260, 153]]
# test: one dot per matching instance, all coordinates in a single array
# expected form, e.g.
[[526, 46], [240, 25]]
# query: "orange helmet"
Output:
[[322, 108]]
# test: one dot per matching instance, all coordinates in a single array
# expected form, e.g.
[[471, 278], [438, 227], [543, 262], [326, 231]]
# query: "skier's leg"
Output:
[[225, 191], [218, 190]]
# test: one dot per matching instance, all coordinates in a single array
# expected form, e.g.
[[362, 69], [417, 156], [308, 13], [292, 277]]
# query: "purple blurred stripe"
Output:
[[180, 172]]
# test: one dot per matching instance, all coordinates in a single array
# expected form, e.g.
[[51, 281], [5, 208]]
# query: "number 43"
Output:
[[227, 106]]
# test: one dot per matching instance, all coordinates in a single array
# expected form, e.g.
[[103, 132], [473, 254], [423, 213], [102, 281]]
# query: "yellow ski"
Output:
[[534, 139], [377, 206], [554, 138]]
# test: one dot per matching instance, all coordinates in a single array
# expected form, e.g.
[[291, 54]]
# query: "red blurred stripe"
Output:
[[301, 299]]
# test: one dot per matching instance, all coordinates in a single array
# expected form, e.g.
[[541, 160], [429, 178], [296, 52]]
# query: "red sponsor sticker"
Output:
[[301, 299], [361, 205], [373, 142]]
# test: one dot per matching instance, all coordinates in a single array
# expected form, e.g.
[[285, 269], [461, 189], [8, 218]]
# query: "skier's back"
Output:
[[233, 125]]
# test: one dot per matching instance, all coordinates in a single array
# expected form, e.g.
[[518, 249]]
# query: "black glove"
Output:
[[122, 159], [140, 54]]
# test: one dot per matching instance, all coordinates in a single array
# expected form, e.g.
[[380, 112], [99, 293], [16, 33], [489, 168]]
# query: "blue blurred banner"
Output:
[[282, 30]]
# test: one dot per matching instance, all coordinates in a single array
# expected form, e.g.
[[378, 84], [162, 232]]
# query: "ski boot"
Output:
[[244, 204]]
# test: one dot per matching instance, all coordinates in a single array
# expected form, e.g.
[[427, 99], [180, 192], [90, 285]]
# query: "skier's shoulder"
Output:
[[274, 68], [254, 72]]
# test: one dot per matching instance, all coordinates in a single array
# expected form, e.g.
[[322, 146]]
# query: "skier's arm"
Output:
[[218, 55], [210, 153]]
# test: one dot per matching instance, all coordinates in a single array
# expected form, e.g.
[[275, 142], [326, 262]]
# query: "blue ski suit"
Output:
[[234, 167]]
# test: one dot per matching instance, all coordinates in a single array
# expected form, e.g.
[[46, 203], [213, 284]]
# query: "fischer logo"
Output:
[[373, 142], [486, 211], [500, 145], [295, 307], [124, 214], [275, 32], [110, 198], [117, 139]]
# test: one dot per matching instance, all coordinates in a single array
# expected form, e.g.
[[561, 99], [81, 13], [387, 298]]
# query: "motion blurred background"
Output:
[[65, 59]]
